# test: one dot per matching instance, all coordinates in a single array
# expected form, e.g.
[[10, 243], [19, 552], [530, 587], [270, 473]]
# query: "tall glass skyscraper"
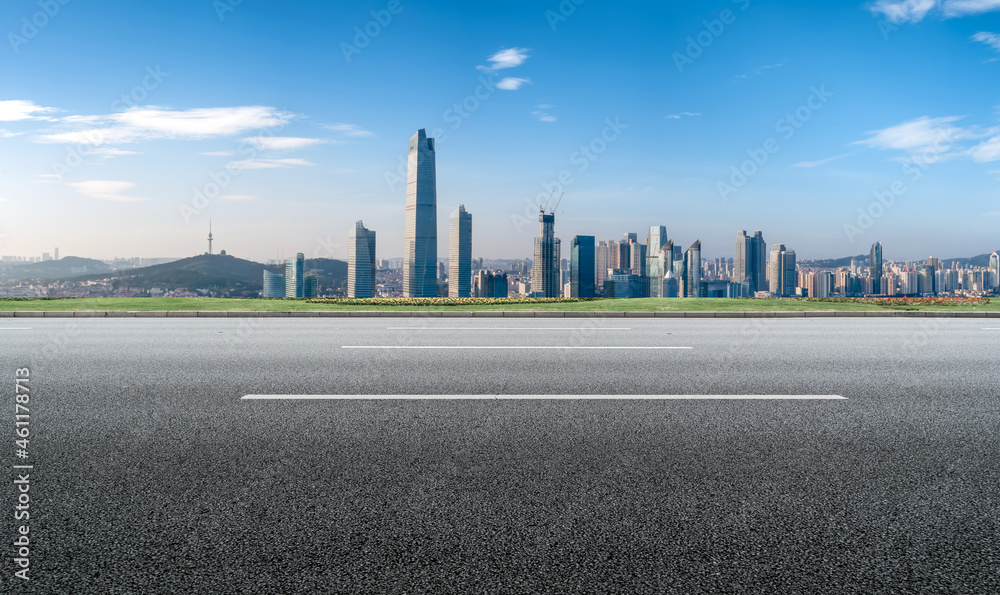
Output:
[[750, 263], [781, 272], [460, 253], [361, 262], [995, 267], [420, 236], [692, 270], [875, 267], [545, 268], [295, 276], [274, 285], [310, 285], [657, 262], [581, 267]]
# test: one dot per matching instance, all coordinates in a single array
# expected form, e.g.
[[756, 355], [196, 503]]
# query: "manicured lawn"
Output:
[[609, 305]]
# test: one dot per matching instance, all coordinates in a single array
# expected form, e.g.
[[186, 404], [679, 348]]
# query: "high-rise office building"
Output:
[[581, 267], [637, 259], [994, 267], [361, 262], [657, 260], [545, 269], [489, 284], [602, 264], [295, 276], [750, 263], [310, 285], [692, 270], [460, 253], [420, 236], [875, 268], [781, 272], [57, 254], [274, 285]]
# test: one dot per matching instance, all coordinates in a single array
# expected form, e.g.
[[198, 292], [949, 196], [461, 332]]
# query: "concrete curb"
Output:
[[486, 314]]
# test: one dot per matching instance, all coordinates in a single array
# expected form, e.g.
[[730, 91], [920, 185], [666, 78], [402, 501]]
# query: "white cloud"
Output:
[[18, 109], [914, 11], [904, 11], [680, 115], [350, 130], [541, 113], [923, 134], [511, 83], [990, 39], [269, 163], [218, 153], [281, 143], [238, 197], [811, 164], [987, 151], [150, 123], [961, 8], [106, 190], [47, 178], [509, 58], [8, 133], [108, 152]]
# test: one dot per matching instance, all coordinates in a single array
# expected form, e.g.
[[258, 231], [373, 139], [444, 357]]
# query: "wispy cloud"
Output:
[[914, 11], [508, 58], [990, 39], [511, 83], [961, 8], [218, 153], [930, 140], [542, 114], [107, 190], [47, 178], [680, 115], [281, 143], [811, 164], [238, 197], [8, 133], [269, 163], [150, 123], [350, 130], [760, 70], [919, 135], [16, 110]]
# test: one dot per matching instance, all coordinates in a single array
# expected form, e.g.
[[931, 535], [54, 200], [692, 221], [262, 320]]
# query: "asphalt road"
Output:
[[152, 475]]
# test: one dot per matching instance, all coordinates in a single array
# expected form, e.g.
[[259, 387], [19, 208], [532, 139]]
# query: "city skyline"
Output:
[[148, 148]]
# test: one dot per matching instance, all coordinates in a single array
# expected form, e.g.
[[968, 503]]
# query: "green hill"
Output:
[[68, 266], [220, 272]]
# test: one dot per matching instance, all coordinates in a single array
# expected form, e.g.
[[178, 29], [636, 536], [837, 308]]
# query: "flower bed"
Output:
[[906, 301], [440, 301]]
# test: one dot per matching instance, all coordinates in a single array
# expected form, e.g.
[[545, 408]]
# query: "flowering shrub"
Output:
[[440, 301], [907, 301]]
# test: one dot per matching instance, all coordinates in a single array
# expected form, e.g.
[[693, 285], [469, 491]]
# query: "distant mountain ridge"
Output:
[[219, 272], [981, 260], [67, 266]]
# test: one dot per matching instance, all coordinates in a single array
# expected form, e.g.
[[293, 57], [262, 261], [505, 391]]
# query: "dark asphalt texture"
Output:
[[152, 476]]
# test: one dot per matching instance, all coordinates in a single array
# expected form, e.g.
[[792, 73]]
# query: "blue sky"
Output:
[[828, 125]]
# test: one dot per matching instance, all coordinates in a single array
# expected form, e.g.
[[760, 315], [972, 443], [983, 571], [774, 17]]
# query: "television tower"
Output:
[[209, 235]]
